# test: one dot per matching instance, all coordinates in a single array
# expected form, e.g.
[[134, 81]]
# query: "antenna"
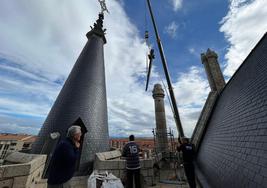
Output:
[[103, 6]]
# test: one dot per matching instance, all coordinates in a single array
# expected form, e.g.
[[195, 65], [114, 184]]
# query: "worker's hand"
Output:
[[179, 140], [77, 144]]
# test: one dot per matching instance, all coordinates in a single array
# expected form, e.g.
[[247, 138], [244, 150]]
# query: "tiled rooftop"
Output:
[[21, 137]]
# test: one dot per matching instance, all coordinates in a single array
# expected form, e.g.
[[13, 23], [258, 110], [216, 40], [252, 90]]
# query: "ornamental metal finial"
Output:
[[103, 6]]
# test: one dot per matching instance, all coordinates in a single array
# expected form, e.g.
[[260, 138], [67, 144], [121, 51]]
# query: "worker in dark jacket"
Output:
[[188, 158], [131, 152], [64, 159]]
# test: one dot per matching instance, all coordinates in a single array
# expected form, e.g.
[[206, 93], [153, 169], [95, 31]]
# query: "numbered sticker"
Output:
[[133, 149]]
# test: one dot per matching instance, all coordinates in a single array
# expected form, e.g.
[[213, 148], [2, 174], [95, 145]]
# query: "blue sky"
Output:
[[40, 42]]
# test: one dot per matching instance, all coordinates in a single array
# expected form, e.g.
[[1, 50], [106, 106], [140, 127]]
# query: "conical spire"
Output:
[[83, 98]]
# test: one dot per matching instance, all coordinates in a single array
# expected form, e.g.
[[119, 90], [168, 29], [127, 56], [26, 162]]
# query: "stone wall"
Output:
[[111, 162], [204, 117], [233, 152], [22, 170]]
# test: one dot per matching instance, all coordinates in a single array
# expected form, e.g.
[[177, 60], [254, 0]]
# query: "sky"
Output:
[[41, 40]]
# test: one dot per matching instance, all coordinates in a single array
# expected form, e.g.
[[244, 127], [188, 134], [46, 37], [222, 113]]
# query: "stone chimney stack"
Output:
[[213, 71], [161, 130]]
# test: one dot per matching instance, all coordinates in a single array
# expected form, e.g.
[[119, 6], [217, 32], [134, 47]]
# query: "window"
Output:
[[26, 145], [3, 154], [13, 144], [1, 145], [6, 147]]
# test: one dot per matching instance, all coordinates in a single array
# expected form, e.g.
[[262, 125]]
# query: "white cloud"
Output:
[[18, 128], [243, 27], [10, 124], [191, 89], [40, 42], [171, 29], [37, 41], [194, 51], [177, 4]]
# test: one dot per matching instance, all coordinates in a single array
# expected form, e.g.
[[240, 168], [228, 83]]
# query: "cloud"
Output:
[[176, 4], [191, 89], [194, 52], [243, 26], [40, 42], [43, 41], [171, 29], [25, 93], [22, 124], [128, 118]]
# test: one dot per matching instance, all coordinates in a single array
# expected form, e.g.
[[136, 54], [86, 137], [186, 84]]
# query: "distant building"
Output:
[[144, 143], [15, 142]]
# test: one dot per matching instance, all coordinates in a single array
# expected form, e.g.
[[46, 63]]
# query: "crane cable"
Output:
[[146, 36], [147, 55], [166, 91], [150, 52]]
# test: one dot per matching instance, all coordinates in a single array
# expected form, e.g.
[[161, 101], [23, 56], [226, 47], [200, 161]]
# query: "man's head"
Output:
[[74, 133], [131, 137], [185, 140]]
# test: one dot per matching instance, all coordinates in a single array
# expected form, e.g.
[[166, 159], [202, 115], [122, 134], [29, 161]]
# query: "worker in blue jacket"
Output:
[[131, 153], [64, 159]]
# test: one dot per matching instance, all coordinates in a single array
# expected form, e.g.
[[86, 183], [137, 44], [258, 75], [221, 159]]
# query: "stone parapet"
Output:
[[22, 170], [203, 118], [79, 182], [106, 161]]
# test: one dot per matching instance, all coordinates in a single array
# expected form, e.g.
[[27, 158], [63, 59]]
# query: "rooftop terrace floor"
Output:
[[170, 177]]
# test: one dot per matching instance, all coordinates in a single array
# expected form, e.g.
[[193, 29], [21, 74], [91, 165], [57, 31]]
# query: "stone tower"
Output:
[[161, 129], [82, 101], [213, 71]]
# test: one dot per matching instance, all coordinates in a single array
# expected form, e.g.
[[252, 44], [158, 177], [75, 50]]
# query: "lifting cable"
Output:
[[166, 91], [146, 35], [150, 57], [150, 53]]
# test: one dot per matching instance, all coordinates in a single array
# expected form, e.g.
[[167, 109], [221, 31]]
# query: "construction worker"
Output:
[[188, 158], [131, 153]]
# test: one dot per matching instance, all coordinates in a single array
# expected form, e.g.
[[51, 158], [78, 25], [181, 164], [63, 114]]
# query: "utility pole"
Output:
[[164, 63]]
